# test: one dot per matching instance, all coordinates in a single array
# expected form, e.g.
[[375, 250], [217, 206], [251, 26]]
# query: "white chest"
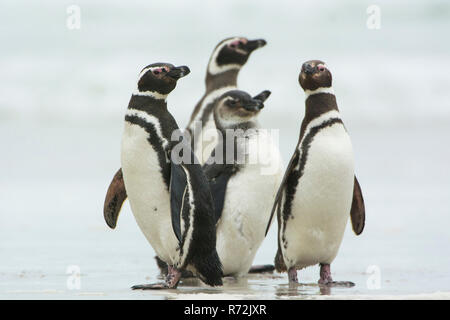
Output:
[[321, 205], [147, 193], [248, 202]]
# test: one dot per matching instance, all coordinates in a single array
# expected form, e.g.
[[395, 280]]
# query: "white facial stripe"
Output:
[[241, 51], [318, 90], [153, 94], [226, 99], [149, 119], [144, 71], [213, 68]]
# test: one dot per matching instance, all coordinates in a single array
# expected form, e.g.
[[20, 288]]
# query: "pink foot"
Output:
[[172, 279], [292, 275], [325, 274], [326, 280]]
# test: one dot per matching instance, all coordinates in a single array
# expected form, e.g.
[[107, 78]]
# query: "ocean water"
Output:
[[63, 94]]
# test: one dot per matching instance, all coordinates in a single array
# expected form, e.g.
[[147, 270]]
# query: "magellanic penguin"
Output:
[[224, 65], [319, 189], [227, 59], [244, 171], [170, 200]]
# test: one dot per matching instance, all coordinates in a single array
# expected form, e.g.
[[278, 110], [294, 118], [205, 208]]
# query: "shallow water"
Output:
[[62, 99]]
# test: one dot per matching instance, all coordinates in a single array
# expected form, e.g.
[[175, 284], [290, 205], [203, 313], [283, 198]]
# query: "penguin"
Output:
[[319, 188], [227, 59], [244, 172], [170, 200], [223, 68]]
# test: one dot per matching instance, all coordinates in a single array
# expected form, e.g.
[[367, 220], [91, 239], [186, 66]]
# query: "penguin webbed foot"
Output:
[[163, 269], [342, 284], [172, 280], [327, 280], [292, 275], [151, 286]]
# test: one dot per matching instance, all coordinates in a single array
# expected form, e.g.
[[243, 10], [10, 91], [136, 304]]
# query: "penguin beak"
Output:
[[307, 68], [253, 105], [252, 45], [262, 96], [178, 72]]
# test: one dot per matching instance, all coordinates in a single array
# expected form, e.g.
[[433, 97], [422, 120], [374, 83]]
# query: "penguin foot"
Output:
[[292, 275], [327, 280], [262, 268], [172, 279], [151, 286], [342, 284], [325, 274], [163, 269]]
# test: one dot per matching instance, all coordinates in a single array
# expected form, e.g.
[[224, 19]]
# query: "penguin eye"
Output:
[[320, 68], [232, 102], [235, 44], [159, 70]]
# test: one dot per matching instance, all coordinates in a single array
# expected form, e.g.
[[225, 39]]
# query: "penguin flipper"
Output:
[[218, 176], [292, 163], [358, 211], [178, 185], [115, 197]]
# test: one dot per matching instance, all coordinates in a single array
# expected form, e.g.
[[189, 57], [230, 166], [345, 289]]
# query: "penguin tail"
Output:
[[209, 269], [280, 266]]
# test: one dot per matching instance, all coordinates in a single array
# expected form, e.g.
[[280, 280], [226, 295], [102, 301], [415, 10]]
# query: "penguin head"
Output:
[[314, 75], [160, 78], [236, 106], [232, 53]]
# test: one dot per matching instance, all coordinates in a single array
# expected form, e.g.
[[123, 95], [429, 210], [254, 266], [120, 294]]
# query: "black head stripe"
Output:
[[228, 56], [150, 82]]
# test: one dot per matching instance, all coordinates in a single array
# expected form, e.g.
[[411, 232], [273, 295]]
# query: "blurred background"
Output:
[[64, 91]]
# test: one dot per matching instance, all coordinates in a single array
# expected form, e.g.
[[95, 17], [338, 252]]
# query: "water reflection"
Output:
[[253, 287], [301, 290]]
